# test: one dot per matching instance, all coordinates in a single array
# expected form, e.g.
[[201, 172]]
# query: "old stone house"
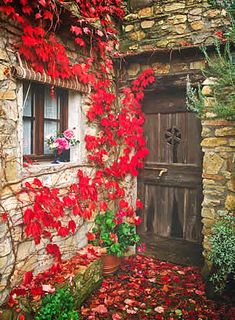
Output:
[[190, 163], [28, 114]]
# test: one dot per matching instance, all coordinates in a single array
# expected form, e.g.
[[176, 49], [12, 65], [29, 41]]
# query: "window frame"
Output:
[[37, 91]]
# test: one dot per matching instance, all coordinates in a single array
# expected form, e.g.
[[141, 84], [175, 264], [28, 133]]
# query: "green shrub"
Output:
[[222, 70], [57, 306], [222, 253]]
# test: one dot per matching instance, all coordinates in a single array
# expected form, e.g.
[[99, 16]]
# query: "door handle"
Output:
[[161, 170]]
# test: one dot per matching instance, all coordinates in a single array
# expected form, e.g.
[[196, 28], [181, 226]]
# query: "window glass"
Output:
[[27, 103], [51, 106], [27, 136], [50, 128], [42, 116]]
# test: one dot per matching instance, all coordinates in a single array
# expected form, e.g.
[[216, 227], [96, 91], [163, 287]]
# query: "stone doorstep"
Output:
[[84, 283]]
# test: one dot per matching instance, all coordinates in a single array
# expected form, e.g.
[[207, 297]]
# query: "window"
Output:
[[42, 115]]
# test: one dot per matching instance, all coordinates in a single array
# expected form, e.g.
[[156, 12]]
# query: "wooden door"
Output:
[[170, 185]]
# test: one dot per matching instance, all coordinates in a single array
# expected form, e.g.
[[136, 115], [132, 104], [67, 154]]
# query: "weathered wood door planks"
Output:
[[170, 183]]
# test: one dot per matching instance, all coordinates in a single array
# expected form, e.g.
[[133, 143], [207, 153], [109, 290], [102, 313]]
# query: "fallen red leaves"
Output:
[[147, 288], [33, 288]]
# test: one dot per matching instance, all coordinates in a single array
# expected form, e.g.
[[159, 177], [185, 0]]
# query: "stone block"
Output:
[[3, 55], [145, 12], [129, 28], [213, 13], [226, 131], [213, 142], [161, 68], [224, 149], [8, 95], [179, 18], [134, 69], [25, 249], [206, 90], [215, 177], [206, 132], [146, 24], [195, 12], [11, 168], [137, 36], [209, 81], [177, 67], [208, 213], [212, 163], [5, 247], [208, 202], [87, 282], [3, 263], [197, 25], [174, 6], [208, 223], [227, 174], [231, 185], [232, 142], [215, 193], [132, 16], [2, 72], [179, 28], [230, 202], [199, 65]]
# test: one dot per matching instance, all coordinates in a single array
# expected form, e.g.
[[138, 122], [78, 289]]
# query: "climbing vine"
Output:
[[118, 147]]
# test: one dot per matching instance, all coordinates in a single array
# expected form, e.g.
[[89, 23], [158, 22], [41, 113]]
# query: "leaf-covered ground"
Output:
[[146, 288]]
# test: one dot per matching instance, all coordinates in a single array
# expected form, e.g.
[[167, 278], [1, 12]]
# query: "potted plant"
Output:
[[60, 144], [115, 232]]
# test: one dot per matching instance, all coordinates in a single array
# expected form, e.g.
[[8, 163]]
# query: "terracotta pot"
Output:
[[110, 264]]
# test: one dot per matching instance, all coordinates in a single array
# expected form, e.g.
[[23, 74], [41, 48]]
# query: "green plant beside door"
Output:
[[222, 253], [113, 233]]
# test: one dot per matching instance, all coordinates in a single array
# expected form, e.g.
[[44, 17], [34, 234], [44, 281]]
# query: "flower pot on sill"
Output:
[[63, 156], [110, 264]]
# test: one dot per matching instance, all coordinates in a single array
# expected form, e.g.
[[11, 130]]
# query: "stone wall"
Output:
[[170, 69], [18, 254], [164, 24], [218, 145]]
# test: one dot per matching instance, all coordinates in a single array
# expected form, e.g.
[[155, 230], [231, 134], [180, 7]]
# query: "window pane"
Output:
[[27, 124], [27, 101], [50, 107], [51, 128]]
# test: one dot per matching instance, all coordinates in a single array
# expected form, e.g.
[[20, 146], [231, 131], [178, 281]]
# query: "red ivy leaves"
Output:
[[118, 149], [49, 206], [54, 250]]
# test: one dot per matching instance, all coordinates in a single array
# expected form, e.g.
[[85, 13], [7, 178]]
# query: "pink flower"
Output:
[[137, 220], [62, 144], [69, 134], [141, 248]]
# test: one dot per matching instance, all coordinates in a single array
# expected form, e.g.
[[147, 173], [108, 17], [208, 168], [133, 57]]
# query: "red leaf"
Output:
[[37, 182], [90, 236], [80, 42], [63, 231], [48, 15], [100, 309], [76, 30], [28, 215], [28, 277], [42, 2], [72, 226]]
